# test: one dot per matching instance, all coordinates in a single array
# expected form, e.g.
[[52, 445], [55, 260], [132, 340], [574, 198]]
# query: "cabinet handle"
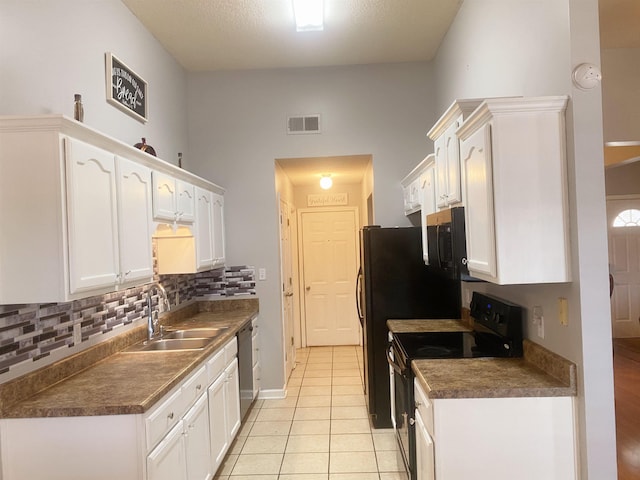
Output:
[[170, 416], [412, 421], [127, 273], [199, 387], [418, 403]]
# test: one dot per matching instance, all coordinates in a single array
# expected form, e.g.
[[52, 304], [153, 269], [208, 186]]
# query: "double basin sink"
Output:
[[183, 339]]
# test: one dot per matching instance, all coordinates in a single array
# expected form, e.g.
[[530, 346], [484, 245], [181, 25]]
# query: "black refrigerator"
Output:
[[394, 283]]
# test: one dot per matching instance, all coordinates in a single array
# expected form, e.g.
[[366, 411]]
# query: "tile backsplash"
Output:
[[30, 334]]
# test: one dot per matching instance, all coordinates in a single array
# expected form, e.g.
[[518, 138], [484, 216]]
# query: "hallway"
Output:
[[319, 432]]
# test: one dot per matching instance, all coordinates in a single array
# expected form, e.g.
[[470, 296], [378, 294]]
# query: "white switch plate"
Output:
[[538, 320], [563, 311], [262, 274], [77, 333]]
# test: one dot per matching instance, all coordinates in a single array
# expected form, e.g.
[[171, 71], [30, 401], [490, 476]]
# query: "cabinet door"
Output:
[[197, 441], [167, 461], [218, 229], [92, 216], [428, 201], [233, 398], [452, 148], [134, 221], [218, 420], [164, 197], [203, 229], [425, 462], [439, 146], [478, 211], [185, 202]]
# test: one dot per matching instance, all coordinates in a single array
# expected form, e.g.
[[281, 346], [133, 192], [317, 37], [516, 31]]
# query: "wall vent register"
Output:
[[303, 124]]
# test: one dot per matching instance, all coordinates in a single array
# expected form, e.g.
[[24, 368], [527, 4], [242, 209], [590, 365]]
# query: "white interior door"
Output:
[[329, 253], [624, 261], [287, 286]]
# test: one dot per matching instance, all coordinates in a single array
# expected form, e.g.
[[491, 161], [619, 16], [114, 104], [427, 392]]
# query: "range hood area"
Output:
[[175, 250]]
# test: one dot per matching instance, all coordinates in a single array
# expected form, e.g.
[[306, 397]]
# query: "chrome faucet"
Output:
[[153, 324]]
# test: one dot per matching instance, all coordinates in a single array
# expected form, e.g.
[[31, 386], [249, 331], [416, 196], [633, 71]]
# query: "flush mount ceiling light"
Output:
[[309, 15], [326, 182]]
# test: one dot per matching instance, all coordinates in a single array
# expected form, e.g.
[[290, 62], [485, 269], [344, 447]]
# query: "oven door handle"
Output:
[[393, 364]]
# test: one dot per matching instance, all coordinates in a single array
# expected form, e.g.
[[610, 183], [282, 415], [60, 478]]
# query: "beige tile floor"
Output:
[[319, 432]]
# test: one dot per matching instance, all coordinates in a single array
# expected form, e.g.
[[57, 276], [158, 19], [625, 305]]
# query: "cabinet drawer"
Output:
[[230, 351], [424, 406], [195, 386], [215, 365], [163, 418]]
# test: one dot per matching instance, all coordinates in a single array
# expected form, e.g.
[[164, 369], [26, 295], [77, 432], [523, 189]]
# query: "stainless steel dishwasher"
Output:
[[245, 368]]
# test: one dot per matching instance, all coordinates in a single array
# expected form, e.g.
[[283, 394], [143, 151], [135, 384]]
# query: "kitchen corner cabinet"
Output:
[[448, 190], [179, 438], [533, 435], [209, 229], [515, 185]]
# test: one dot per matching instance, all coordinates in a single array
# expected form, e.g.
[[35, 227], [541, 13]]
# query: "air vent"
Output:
[[303, 124]]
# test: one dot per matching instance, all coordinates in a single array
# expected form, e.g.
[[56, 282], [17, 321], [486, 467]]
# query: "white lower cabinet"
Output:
[[424, 451], [224, 412], [183, 437], [255, 345], [534, 435]]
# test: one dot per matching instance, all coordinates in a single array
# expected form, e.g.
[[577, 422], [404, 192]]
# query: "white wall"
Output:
[[50, 50], [237, 126], [529, 47]]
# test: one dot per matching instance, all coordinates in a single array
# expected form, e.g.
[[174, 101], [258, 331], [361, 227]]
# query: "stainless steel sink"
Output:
[[171, 344], [196, 332]]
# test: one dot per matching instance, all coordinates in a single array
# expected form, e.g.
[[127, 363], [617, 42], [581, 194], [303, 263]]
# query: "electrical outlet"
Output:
[[538, 320], [262, 274], [563, 311]]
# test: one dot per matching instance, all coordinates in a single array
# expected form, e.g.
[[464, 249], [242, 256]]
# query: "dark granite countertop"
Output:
[[123, 382], [430, 325], [540, 373]]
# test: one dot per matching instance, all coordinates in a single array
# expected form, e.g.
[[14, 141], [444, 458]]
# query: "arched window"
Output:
[[627, 218]]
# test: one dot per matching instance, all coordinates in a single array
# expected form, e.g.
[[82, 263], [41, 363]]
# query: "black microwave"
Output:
[[446, 243]]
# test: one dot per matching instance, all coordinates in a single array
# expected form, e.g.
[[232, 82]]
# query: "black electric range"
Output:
[[496, 331]]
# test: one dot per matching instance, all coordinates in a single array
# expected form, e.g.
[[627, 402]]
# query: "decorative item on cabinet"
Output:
[[447, 151], [145, 148], [78, 109], [515, 182]]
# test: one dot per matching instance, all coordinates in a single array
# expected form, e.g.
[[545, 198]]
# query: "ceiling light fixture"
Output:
[[309, 15], [326, 182]]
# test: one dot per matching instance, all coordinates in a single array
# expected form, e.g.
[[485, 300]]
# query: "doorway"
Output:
[[623, 224], [329, 252]]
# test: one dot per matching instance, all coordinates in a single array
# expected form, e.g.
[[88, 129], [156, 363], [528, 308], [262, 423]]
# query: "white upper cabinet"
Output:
[[173, 199], [515, 188], [76, 209], [447, 152], [209, 229], [134, 220], [218, 229], [427, 201], [92, 215]]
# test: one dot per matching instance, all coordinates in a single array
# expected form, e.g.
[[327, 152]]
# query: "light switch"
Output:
[[538, 320], [262, 274], [563, 311]]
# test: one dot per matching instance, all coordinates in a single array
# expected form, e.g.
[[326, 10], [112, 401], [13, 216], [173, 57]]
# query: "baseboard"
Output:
[[271, 394]]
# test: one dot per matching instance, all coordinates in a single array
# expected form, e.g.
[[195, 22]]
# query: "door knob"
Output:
[[308, 288]]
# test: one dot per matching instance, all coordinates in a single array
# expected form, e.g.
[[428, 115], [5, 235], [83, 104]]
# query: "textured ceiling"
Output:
[[207, 35]]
